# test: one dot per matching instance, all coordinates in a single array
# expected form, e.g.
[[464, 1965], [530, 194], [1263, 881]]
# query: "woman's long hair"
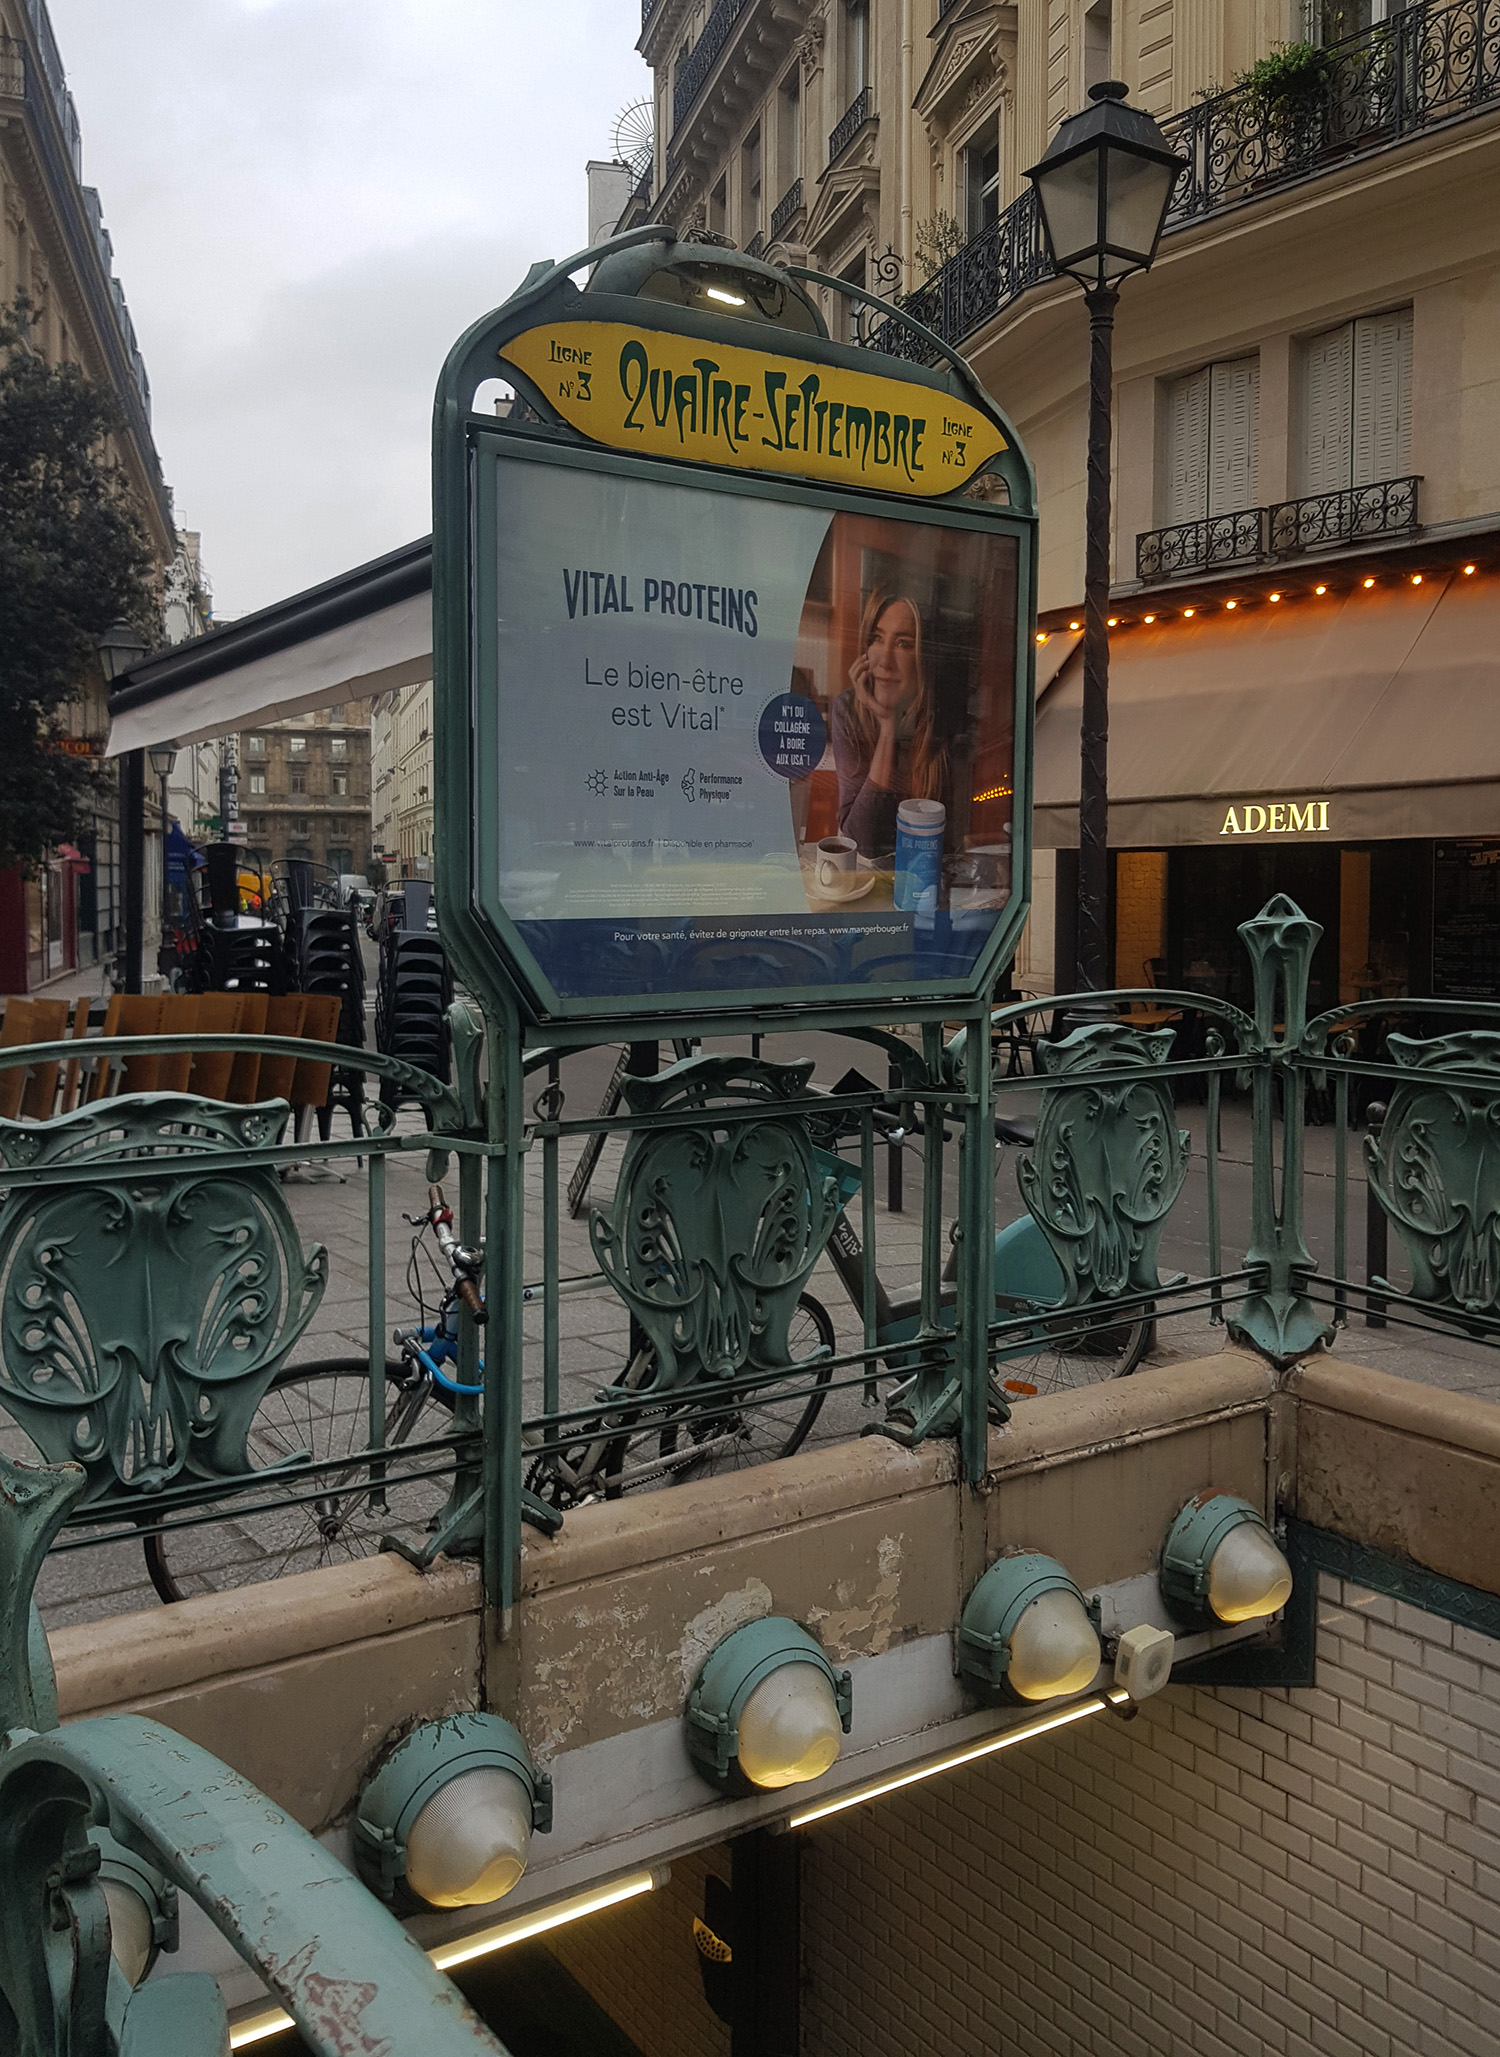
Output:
[[927, 755]]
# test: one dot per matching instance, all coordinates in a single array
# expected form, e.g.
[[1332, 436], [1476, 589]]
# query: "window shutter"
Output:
[[1382, 397], [1328, 411], [1234, 436], [1187, 448]]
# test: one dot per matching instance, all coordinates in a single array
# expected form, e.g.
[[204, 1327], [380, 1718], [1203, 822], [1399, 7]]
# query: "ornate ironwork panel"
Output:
[[786, 208], [717, 1223], [143, 1315], [1199, 545], [1387, 507], [1109, 1159], [853, 119], [1435, 1166]]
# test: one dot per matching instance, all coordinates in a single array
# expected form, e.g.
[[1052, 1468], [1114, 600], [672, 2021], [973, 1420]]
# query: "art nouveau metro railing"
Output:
[[1425, 67]]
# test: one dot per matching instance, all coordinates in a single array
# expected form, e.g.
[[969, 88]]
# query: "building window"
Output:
[[255, 746], [257, 824], [789, 132], [257, 782], [981, 168], [337, 716], [338, 749], [750, 185], [1211, 458], [1329, 21], [1098, 22], [341, 861], [299, 781], [296, 746], [1356, 403], [299, 825], [340, 783], [856, 49]]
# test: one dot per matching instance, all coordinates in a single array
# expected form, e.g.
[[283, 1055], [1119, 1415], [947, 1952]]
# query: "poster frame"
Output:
[[489, 952]]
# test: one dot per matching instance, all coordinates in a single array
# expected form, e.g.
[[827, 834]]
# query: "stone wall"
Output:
[[1310, 1872]]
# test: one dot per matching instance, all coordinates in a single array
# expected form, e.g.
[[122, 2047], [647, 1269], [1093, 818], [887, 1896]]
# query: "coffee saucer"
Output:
[[837, 897]]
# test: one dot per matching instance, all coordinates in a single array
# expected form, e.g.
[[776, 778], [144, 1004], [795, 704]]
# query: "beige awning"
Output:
[[1355, 717]]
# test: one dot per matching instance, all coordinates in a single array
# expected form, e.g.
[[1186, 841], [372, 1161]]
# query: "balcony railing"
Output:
[[700, 59], [853, 120], [786, 208], [1356, 514], [1424, 67], [756, 244]]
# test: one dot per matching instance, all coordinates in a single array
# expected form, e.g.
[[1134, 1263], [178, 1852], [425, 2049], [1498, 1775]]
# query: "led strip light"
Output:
[[520, 1929]]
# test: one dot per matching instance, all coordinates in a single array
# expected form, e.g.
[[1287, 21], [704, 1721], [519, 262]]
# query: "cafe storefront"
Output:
[[1338, 746]]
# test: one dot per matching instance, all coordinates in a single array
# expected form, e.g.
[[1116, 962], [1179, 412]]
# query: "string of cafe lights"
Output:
[[1163, 616]]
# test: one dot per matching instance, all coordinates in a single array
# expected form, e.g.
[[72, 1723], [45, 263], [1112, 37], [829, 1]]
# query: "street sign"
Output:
[[733, 662]]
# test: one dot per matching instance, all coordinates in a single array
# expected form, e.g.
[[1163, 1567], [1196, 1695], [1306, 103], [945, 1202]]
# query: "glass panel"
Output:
[[1136, 201], [1070, 207]]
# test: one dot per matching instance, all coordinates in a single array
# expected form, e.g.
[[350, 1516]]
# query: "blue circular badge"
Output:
[[792, 735]]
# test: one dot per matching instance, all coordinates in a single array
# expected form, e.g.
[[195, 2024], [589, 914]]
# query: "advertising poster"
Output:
[[743, 743]]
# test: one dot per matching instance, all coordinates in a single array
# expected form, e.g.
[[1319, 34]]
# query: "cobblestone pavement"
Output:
[[330, 1413]]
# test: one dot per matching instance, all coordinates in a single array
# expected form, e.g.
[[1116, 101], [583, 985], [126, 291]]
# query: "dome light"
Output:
[[767, 1710], [1075, 624], [1026, 1633], [1041, 635], [1416, 578], [1468, 571], [142, 1906], [1230, 606], [1275, 596], [1188, 613], [1320, 589], [1221, 1564], [1148, 617], [447, 1820], [1368, 584]]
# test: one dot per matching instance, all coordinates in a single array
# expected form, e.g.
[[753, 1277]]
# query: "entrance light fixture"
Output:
[[1026, 1633], [1221, 1564], [767, 1710], [447, 1820], [142, 1906], [121, 646], [163, 757]]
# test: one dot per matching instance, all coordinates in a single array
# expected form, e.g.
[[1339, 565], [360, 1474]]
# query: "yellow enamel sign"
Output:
[[675, 396]]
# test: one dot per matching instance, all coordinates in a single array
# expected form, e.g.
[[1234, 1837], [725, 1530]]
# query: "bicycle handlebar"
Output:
[[464, 1262]]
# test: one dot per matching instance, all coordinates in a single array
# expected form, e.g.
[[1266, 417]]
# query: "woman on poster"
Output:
[[886, 744]]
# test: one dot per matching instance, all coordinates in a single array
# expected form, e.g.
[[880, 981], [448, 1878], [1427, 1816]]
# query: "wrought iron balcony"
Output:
[[1425, 67], [786, 208], [853, 120], [756, 244], [700, 59], [1252, 535]]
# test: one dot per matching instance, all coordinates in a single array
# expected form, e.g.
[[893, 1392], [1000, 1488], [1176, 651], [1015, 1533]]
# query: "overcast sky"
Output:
[[310, 200]]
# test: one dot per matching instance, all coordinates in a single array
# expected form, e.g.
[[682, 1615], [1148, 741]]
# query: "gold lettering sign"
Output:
[[1276, 818], [673, 396]]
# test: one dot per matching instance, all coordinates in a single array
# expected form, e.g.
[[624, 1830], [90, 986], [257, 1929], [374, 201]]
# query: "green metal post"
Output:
[[375, 1289], [976, 1297], [505, 1230], [550, 1247]]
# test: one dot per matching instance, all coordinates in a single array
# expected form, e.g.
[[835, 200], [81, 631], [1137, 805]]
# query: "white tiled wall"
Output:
[[1314, 1873]]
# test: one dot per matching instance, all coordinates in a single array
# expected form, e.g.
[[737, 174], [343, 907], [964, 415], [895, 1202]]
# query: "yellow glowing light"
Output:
[[1041, 635], [1148, 617], [729, 299], [1187, 613], [1075, 624], [1368, 584], [1230, 606], [1320, 589], [1114, 621], [994, 793], [1416, 578], [1468, 571], [952, 1760], [519, 1929], [1275, 596]]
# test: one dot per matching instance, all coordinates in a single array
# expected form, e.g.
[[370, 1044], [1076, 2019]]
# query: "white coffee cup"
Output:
[[838, 862]]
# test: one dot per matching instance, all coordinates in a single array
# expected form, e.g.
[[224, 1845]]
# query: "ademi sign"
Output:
[[1276, 818]]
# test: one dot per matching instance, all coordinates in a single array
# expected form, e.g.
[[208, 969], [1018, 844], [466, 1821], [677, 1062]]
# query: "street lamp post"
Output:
[[1103, 188], [119, 648], [163, 757]]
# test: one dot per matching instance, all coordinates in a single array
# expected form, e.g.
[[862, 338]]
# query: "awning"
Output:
[[1352, 718], [351, 638]]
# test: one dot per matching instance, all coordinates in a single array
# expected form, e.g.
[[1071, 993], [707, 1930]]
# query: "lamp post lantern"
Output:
[[1103, 188], [119, 648]]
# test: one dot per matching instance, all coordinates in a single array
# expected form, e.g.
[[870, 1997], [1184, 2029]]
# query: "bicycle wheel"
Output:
[[320, 1410], [1067, 1351], [702, 1443]]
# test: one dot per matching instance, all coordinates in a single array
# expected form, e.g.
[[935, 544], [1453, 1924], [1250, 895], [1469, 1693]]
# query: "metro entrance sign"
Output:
[[733, 655]]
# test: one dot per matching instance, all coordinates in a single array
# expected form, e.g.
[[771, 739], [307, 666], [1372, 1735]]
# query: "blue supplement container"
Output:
[[919, 855]]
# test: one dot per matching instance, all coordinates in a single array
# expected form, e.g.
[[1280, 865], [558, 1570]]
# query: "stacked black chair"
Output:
[[236, 953], [325, 943], [416, 986]]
